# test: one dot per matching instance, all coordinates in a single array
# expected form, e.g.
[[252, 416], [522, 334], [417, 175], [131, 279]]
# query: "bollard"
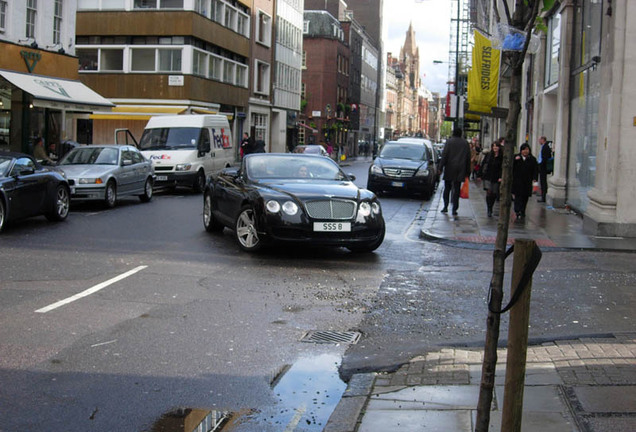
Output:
[[524, 253]]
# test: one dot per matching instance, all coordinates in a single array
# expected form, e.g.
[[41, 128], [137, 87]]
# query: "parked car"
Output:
[[403, 166], [435, 152], [311, 149], [29, 189], [107, 172], [292, 198]]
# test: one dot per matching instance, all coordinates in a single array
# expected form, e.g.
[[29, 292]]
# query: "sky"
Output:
[[431, 23]]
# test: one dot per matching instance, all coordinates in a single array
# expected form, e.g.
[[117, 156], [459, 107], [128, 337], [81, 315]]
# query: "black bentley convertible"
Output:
[[293, 198]]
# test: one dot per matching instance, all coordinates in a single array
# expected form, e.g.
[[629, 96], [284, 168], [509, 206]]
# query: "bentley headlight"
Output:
[[375, 208], [364, 209], [273, 206], [375, 169], [90, 181], [290, 208], [183, 167]]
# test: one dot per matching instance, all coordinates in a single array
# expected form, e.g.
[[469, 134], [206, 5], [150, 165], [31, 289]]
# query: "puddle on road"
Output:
[[306, 394]]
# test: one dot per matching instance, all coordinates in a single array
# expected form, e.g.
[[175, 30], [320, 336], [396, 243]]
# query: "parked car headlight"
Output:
[[364, 209], [290, 208], [375, 169], [421, 173], [90, 181], [375, 208], [273, 206], [183, 167]]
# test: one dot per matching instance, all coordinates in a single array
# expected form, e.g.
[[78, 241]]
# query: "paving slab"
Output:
[[437, 397], [421, 421], [535, 422], [607, 399], [537, 398]]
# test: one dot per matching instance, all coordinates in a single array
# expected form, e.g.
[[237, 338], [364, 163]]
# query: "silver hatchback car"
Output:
[[107, 172]]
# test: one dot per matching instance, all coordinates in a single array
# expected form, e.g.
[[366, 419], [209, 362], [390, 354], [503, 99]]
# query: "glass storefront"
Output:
[[584, 102]]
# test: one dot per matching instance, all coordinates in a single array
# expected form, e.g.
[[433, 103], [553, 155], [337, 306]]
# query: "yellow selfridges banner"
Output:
[[483, 77]]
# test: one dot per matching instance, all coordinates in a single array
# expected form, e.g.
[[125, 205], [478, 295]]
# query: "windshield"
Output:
[[403, 151], [170, 138], [293, 166], [92, 156], [5, 162]]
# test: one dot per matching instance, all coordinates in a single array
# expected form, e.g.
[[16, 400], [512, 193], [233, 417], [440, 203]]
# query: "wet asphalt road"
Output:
[[203, 325]]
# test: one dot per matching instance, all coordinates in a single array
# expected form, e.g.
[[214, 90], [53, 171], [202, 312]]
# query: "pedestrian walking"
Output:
[[247, 144], [545, 154], [491, 174], [455, 165], [524, 172]]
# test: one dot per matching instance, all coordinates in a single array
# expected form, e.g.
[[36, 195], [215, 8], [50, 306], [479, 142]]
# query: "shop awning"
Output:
[[137, 112], [57, 93]]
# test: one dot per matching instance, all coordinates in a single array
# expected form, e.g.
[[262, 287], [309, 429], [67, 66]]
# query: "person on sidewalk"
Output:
[[491, 175], [524, 172], [545, 153], [455, 165]]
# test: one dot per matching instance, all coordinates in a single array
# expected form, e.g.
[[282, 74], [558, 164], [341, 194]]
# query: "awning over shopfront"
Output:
[[144, 112], [308, 127], [57, 93]]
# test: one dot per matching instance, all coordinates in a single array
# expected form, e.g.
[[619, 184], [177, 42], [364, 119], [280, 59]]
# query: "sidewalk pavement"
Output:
[[550, 227], [578, 385]]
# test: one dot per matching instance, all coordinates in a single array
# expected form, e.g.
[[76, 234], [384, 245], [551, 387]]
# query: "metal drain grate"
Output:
[[334, 337]]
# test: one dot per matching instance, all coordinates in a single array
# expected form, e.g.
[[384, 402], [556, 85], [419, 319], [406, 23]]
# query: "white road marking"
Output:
[[90, 291]]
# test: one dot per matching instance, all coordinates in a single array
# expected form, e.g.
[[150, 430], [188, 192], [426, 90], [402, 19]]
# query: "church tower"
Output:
[[410, 58]]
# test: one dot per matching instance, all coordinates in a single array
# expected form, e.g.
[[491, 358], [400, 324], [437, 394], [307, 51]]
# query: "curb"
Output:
[[350, 409]]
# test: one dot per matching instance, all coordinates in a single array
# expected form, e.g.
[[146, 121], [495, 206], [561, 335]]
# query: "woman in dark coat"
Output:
[[524, 172], [491, 174]]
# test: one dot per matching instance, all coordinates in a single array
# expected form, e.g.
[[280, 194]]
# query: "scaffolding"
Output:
[[459, 51]]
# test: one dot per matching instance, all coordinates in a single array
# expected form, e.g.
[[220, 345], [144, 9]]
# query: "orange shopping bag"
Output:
[[463, 192]]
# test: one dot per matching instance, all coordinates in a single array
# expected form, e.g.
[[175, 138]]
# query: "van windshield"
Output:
[[170, 138]]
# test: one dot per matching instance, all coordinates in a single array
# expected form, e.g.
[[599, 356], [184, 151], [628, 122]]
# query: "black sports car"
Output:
[[403, 167], [296, 198], [28, 189]]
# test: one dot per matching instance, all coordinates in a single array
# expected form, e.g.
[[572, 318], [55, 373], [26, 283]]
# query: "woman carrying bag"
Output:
[[491, 175]]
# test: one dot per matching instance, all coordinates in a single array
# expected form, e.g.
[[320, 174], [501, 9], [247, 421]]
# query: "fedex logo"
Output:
[[221, 140], [160, 157]]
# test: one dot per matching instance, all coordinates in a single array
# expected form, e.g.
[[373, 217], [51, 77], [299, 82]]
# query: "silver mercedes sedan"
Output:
[[107, 172]]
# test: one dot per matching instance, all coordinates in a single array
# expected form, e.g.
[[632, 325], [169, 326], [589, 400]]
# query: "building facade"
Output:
[[288, 76], [154, 57], [40, 95], [325, 79]]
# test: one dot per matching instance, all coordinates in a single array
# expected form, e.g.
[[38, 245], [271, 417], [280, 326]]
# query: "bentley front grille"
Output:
[[331, 210]]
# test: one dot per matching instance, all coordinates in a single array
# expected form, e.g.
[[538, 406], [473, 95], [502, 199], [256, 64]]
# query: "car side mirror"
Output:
[[26, 171], [351, 176]]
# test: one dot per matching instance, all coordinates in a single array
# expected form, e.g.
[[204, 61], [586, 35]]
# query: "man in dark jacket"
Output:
[[455, 165], [545, 153]]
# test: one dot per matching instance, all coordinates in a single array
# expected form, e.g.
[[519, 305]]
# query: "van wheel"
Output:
[[199, 182]]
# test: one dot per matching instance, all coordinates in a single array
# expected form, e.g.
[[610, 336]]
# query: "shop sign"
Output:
[[30, 59]]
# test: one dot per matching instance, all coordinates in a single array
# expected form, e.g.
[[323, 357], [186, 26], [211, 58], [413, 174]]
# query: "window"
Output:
[[264, 29], [87, 59], [304, 59], [259, 121], [145, 4], [3, 15], [143, 60], [198, 63], [216, 68], [32, 6], [553, 45], [111, 59], [305, 27], [261, 78], [171, 4], [228, 72], [241, 75], [169, 60], [57, 22]]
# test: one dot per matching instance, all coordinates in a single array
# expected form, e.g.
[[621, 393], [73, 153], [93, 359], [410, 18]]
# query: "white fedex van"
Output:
[[185, 149]]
